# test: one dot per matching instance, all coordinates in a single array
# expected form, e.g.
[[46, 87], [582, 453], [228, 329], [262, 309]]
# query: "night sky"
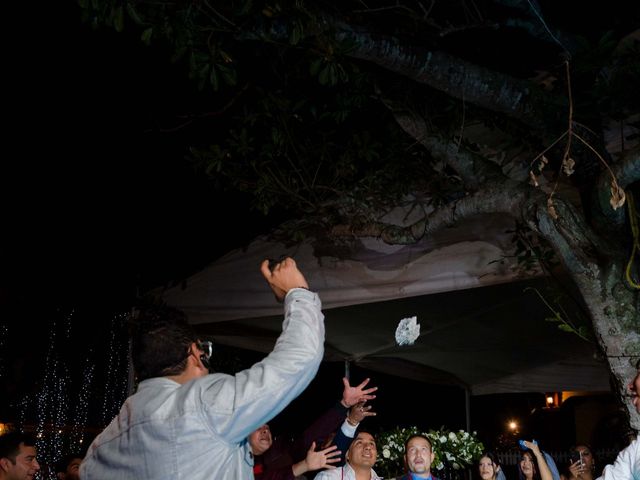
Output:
[[100, 204], [104, 201]]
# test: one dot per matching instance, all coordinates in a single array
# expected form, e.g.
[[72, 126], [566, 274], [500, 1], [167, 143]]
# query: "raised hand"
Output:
[[322, 458], [359, 412], [283, 277], [533, 447], [576, 469], [352, 395]]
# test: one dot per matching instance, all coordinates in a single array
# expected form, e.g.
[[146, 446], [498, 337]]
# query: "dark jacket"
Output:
[[276, 463]]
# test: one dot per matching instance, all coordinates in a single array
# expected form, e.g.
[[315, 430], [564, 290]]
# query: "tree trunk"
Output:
[[613, 306]]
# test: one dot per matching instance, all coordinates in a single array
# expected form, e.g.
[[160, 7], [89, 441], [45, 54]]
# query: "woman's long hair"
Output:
[[534, 461]]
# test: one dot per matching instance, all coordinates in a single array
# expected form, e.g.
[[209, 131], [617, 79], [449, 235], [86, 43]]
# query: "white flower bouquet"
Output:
[[455, 450]]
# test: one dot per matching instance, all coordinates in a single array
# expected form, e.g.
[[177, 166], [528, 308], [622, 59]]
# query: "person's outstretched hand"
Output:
[[359, 412], [317, 460], [283, 277], [533, 447], [352, 395]]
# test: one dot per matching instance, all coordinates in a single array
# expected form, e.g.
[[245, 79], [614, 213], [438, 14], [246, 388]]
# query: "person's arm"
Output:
[[234, 406], [329, 422], [551, 463], [545, 472], [626, 466]]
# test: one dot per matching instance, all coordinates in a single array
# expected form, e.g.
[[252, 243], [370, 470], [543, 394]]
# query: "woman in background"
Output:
[[582, 464], [489, 467], [533, 465]]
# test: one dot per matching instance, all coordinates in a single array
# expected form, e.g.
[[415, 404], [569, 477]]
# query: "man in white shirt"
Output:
[[627, 465], [361, 457], [186, 423]]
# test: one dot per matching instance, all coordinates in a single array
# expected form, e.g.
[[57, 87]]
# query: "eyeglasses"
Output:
[[207, 348]]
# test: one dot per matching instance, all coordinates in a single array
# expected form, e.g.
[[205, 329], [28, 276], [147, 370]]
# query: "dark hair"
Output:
[[63, 463], [417, 435], [491, 456], [161, 338], [574, 448], [536, 468], [10, 444], [364, 430]]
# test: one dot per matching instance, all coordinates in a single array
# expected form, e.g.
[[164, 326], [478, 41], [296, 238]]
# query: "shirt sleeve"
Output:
[[234, 406], [626, 466], [342, 440]]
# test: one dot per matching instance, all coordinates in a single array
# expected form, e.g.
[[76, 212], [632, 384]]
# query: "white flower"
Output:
[[452, 436], [386, 453], [408, 331], [443, 439]]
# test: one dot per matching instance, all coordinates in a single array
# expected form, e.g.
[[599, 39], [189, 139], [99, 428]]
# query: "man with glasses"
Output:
[[184, 422]]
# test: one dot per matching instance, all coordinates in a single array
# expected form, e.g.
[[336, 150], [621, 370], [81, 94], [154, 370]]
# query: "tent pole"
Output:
[[467, 407], [346, 369]]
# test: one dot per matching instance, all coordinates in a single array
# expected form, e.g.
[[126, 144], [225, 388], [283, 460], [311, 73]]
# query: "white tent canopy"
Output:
[[480, 327]]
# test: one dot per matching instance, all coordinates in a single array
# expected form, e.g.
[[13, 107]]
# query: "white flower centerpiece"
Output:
[[455, 450]]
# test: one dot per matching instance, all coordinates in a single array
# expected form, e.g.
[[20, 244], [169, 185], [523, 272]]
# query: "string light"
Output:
[[117, 369], [67, 395]]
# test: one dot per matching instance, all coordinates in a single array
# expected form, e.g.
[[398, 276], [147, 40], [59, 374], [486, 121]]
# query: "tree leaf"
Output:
[[118, 18], [146, 36]]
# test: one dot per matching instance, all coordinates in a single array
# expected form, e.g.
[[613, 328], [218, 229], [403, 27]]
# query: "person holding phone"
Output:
[[581, 463]]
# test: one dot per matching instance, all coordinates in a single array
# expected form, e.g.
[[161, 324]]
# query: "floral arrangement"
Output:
[[456, 450]]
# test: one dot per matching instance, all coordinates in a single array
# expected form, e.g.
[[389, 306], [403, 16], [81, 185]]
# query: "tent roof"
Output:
[[481, 328]]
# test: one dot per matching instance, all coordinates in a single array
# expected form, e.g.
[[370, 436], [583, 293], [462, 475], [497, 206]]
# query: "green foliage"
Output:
[[298, 108], [566, 322], [532, 251]]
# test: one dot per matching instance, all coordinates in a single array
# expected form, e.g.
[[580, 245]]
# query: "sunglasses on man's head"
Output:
[[207, 348]]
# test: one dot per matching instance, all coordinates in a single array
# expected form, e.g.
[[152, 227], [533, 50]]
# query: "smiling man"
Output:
[[418, 456], [18, 457], [361, 457]]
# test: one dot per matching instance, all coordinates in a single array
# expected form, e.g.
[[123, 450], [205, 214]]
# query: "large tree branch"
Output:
[[494, 198], [454, 76], [473, 169]]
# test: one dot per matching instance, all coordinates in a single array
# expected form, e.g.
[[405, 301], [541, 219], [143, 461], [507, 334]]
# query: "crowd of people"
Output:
[[184, 422]]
